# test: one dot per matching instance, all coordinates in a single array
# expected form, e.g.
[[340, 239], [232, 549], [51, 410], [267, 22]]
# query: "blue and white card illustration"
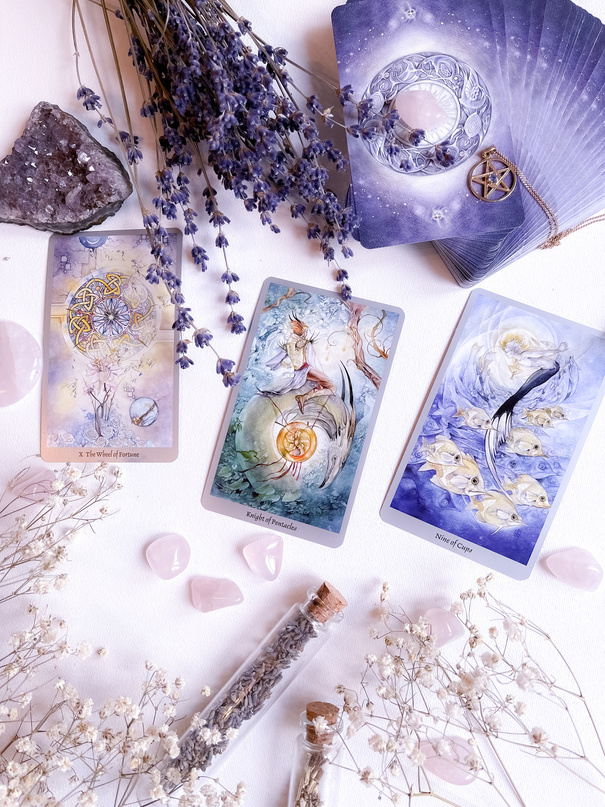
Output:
[[500, 434], [297, 430], [435, 64]]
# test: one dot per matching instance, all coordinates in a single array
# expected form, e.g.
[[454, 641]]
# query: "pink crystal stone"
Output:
[[20, 362], [211, 593], [444, 625], [420, 109], [576, 566], [168, 555], [265, 556], [33, 485], [447, 760]]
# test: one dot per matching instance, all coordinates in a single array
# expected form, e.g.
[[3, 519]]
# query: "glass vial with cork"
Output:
[[260, 680], [315, 780]]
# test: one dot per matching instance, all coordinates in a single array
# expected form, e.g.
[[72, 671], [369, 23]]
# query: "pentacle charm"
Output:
[[492, 179]]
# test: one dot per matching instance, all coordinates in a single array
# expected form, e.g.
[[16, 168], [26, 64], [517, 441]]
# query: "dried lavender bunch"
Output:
[[509, 686], [211, 735], [221, 101]]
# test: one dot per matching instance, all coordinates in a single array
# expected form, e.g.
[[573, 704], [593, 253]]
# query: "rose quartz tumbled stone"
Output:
[[20, 362], [265, 556], [168, 555], [444, 625], [211, 593], [576, 566], [447, 760], [34, 486], [420, 109]]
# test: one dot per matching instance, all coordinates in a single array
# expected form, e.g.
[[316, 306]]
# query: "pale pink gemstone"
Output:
[[420, 109], [447, 760], [211, 593], [265, 556], [33, 485], [168, 555], [576, 566], [444, 625], [20, 362]]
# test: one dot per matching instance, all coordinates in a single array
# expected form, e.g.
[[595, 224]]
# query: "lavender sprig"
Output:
[[220, 99]]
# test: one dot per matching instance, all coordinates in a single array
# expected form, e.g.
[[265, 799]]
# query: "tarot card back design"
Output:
[[436, 67], [495, 446], [297, 429], [110, 388], [553, 63]]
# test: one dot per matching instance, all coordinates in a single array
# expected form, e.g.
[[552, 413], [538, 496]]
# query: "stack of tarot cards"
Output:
[[526, 78]]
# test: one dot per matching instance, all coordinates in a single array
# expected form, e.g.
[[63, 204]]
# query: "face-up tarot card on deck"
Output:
[[297, 429], [502, 429], [110, 390]]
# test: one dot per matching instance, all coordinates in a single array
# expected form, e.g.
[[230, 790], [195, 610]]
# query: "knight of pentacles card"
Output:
[[297, 429]]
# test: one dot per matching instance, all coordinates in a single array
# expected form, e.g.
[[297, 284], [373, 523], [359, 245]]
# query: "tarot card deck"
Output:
[[297, 429], [110, 389], [527, 78], [500, 434]]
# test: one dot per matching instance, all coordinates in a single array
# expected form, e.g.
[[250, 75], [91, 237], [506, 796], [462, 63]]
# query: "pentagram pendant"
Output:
[[492, 179]]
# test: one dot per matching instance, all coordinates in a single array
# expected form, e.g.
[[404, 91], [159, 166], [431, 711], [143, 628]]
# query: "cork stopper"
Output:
[[327, 603], [330, 714]]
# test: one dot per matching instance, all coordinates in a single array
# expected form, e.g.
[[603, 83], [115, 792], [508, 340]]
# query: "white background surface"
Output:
[[115, 600]]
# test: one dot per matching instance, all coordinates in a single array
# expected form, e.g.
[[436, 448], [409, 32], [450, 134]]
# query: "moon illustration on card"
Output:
[[444, 110]]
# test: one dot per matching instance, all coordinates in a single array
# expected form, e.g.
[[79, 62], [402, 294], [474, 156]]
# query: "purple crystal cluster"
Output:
[[58, 177]]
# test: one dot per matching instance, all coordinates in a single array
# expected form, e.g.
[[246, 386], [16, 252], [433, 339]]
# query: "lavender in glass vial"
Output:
[[260, 680]]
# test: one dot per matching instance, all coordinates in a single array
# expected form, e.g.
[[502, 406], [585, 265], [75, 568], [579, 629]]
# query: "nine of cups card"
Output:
[[110, 388], [497, 441], [298, 426]]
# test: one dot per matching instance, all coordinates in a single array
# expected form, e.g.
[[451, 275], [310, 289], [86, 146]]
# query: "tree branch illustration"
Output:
[[286, 296], [356, 312]]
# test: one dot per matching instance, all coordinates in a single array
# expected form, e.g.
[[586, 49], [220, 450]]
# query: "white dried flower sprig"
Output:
[[69, 752], [35, 534], [56, 746], [414, 703]]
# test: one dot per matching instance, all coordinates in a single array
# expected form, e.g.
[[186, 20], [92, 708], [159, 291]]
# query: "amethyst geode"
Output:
[[58, 177]]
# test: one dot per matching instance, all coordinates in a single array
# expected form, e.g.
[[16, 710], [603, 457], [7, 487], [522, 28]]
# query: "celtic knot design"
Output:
[[462, 97], [111, 314]]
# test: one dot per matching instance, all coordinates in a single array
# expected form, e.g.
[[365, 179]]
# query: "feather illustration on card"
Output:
[[295, 437], [111, 386], [501, 432]]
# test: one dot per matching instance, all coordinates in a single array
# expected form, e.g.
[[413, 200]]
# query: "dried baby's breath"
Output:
[[56, 745], [509, 685]]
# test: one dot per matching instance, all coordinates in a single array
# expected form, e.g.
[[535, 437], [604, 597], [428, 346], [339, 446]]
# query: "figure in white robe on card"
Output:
[[297, 353]]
